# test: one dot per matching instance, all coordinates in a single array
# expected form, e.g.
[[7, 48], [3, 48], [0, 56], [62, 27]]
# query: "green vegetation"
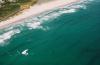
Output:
[[10, 8]]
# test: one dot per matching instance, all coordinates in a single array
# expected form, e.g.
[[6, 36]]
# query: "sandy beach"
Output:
[[34, 10]]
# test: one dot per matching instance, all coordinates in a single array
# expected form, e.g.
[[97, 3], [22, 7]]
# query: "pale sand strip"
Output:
[[36, 9]]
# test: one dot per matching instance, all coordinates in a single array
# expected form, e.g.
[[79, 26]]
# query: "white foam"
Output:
[[6, 36], [54, 15], [39, 20], [65, 10], [34, 25], [36, 22], [86, 1], [68, 11]]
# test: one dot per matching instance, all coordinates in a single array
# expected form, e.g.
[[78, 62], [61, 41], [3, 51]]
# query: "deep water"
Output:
[[65, 39]]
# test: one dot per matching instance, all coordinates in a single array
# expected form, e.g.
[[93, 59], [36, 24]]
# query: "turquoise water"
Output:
[[56, 38]]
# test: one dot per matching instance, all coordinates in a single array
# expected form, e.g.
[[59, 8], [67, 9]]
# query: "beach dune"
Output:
[[34, 10]]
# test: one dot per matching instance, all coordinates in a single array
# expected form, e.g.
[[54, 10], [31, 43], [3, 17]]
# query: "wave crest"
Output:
[[35, 22], [6, 36]]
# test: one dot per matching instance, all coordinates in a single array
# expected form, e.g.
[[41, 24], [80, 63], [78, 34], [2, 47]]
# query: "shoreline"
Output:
[[35, 10]]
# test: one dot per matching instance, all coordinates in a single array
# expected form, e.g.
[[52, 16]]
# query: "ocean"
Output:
[[68, 35]]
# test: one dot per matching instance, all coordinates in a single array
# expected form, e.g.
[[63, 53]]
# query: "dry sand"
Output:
[[34, 10]]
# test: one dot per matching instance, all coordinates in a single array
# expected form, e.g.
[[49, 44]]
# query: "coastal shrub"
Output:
[[10, 8]]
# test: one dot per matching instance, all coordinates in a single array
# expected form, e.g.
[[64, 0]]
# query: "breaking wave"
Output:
[[7, 35], [35, 22]]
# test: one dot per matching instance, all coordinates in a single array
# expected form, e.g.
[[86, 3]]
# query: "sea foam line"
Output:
[[37, 21], [7, 35]]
